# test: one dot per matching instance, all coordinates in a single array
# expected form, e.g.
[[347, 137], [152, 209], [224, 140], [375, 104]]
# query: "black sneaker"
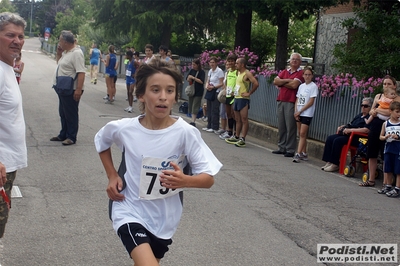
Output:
[[289, 154], [385, 189], [278, 152]]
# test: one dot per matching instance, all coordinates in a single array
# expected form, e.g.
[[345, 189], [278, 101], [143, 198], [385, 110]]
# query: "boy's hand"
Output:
[[113, 189], [173, 178]]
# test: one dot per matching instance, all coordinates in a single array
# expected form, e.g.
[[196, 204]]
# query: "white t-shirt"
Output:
[[304, 93], [160, 216], [214, 76], [13, 152], [71, 63]]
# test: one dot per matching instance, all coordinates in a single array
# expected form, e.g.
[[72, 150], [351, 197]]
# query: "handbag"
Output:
[[64, 85], [210, 95], [190, 90], [222, 96]]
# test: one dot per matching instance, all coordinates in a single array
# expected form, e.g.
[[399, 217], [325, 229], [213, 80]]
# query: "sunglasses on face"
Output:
[[365, 105]]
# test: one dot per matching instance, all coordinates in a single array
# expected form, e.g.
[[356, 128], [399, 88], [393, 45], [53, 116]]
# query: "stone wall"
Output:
[[329, 33]]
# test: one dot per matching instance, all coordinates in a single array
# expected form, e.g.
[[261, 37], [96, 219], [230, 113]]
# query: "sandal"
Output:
[[367, 184]]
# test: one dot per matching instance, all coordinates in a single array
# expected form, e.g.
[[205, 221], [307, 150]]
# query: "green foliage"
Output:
[[5, 6], [301, 36], [374, 49], [263, 38]]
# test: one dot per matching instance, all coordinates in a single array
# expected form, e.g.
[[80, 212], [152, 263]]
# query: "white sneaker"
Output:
[[105, 97], [134, 99], [304, 156], [205, 128], [219, 131], [130, 109], [326, 165], [224, 135], [210, 130]]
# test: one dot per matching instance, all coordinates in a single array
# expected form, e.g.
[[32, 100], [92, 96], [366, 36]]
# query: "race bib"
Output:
[[128, 73], [229, 90], [302, 100], [236, 92], [150, 185]]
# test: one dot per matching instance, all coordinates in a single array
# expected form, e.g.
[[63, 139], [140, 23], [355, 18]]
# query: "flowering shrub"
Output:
[[329, 85], [251, 58]]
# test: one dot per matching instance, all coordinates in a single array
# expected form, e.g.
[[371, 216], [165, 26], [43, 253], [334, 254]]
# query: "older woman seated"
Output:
[[334, 143]]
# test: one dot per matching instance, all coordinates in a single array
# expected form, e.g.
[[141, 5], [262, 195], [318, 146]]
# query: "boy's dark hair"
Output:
[[394, 106], [149, 46], [129, 53], [232, 57], [154, 67], [136, 53], [163, 47]]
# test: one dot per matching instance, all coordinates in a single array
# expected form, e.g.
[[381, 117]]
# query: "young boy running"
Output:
[[156, 146]]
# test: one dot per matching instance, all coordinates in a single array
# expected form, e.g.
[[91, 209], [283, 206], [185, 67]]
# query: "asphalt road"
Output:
[[263, 209]]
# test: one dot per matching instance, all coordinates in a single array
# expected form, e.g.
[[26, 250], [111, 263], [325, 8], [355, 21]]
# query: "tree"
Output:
[[301, 36], [280, 12], [373, 50], [5, 6]]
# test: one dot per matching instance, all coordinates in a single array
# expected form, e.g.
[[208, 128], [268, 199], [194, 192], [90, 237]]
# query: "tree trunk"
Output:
[[165, 36], [243, 30], [281, 41]]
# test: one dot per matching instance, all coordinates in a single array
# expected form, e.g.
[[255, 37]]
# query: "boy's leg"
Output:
[[143, 255]]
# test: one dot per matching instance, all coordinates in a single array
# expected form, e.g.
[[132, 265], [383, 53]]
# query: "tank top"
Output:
[[384, 102], [394, 146], [95, 55], [230, 82], [241, 86], [110, 69], [130, 71]]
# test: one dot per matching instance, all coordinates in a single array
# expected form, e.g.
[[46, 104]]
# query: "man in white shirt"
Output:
[[13, 153]]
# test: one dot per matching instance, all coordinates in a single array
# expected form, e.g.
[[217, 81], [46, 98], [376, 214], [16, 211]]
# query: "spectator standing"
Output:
[[13, 153], [241, 105], [375, 145], [130, 79], [94, 55], [230, 84], [391, 134], [389, 94], [111, 64], [197, 76], [71, 62], [18, 68], [148, 50], [287, 82], [304, 112], [214, 83], [163, 50]]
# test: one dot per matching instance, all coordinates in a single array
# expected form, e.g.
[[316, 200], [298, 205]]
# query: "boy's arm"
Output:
[[382, 136], [115, 182], [177, 179]]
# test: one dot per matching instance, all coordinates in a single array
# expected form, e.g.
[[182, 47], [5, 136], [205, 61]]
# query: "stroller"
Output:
[[361, 157]]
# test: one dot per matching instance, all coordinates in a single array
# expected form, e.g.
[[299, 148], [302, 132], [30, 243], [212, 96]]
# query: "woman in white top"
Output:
[[304, 111]]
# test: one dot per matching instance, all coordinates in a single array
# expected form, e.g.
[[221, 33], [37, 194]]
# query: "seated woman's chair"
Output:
[[348, 147]]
